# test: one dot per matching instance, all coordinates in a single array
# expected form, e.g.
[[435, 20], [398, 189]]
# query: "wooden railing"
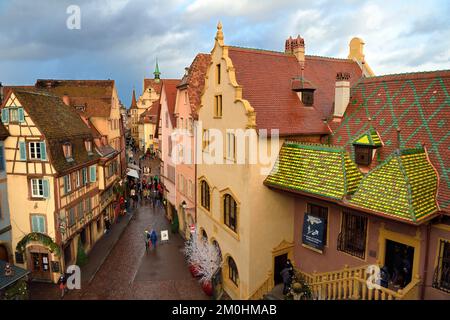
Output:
[[264, 288], [352, 284]]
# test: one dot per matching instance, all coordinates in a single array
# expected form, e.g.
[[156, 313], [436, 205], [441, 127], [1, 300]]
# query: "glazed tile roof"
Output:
[[59, 123], [195, 81], [94, 95], [418, 104], [404, 186], [265, 77], [369, 138], [317, 169]]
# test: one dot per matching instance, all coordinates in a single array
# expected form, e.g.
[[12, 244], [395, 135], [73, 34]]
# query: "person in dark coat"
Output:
[[287, 279], [153, 238]]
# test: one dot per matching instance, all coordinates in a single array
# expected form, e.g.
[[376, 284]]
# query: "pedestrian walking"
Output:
[[147, 240], [286, 274], [153, 238], [62, 282]]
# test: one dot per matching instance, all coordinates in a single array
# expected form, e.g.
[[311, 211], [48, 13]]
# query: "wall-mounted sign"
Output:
[[313, 232]]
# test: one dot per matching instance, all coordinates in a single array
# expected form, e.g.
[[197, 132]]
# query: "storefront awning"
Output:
[[133, 166], [133, 173]]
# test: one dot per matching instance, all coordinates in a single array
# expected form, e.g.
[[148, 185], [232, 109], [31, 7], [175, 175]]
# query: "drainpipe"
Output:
[[425, 271]]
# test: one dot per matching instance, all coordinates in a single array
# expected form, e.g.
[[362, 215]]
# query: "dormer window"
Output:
[[88, 145], [308, 98], [67, 149], [364, 146]]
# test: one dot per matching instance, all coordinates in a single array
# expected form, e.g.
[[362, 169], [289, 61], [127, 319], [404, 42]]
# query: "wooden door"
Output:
[[40, 264], [3, 253], [280, 263]]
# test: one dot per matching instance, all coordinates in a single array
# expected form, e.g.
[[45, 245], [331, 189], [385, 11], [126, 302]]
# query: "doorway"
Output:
[[3, 253], [399, 261], [40, 266], [280, 262]]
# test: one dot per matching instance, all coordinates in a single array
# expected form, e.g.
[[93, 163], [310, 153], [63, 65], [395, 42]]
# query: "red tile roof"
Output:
[[418, 104], [151, 114], [195, 80], [170, 87], [95, 95], [266, 80]]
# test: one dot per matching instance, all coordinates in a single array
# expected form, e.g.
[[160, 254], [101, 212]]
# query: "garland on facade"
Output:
[[41, 238]]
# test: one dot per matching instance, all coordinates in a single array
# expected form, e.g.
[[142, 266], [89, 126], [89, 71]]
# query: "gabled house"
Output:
[[378, 193], [97, 101], [147, 126], [48, 156], [167, 125], [6, 252], [287, 95], [188, 101]]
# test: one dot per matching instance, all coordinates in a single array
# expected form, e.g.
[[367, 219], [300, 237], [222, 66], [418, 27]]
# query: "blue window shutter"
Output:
[[2, 160], [21, 115], [93, 173], [43, 151], [23, 150], [45, 188], [41, 223], [5, 115], [34, 224]]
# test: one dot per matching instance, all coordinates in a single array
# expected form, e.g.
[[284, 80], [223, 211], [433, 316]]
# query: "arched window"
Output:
[[205, 196], [230, 212], [216, 244], [204, 235], [233, 274]]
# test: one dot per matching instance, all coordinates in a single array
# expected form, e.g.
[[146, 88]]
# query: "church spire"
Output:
[[133, 100], [156, 72]]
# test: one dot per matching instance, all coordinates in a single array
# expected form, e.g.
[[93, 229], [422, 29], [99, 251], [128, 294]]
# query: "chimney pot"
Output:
[[341, 93], [66, 99]]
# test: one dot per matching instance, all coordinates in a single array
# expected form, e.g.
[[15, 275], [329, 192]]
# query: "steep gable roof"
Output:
[[194, 81], [322, 170], [404, 187], [59, 123], [416, 103], [266, 80], [170, 88]]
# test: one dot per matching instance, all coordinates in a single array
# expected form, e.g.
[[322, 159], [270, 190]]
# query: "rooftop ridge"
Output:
[[315, 146], [413, 73], [328, 58], [260, 50]]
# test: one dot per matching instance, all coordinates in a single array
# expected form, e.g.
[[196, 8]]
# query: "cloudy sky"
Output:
[[120, 39]]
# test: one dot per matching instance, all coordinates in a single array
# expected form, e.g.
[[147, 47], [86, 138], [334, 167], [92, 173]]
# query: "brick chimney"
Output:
[[341, 94], [296, 47], [66, 99]]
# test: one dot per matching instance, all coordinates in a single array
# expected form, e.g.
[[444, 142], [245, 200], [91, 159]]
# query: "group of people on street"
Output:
[[151, 190], [151, 239]]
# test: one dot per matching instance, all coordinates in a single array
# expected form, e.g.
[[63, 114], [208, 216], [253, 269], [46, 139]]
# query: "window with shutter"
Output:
[[84, 172], [38, 223], [2, 159], [37, 188], [22, 150], [93, 173], [45, 188], [43, 151], [20, 115], [5, 115]]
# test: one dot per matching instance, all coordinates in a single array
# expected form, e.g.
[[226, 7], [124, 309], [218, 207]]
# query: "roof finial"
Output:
[[219, 34], [156, 72]]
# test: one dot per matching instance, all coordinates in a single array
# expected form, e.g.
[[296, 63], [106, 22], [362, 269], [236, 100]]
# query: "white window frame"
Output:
[[39, 186], [37, 146]]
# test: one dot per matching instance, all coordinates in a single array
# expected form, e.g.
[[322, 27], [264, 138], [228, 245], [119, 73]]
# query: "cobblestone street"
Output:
[[129, 272]]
